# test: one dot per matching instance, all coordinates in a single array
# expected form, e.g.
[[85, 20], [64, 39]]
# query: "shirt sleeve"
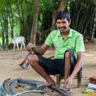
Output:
[[80, 44], [49, 41]]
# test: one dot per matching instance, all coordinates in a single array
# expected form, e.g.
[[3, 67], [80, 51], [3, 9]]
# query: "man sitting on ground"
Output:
[[69, 48]]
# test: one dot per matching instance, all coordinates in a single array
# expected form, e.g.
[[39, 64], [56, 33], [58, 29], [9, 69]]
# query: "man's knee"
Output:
[[32, 59], [67, 54]]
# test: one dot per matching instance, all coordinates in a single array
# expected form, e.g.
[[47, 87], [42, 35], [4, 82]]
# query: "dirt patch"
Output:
[[10, 60]]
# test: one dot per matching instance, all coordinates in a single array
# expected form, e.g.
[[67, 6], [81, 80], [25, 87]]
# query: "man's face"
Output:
[[63, 24]]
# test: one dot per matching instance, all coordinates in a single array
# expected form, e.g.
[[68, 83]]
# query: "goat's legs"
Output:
[[14, 46], [17, 46], [21, 45]]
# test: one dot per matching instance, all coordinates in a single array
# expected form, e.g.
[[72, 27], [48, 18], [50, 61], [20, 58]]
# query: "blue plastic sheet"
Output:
[[2, 91]]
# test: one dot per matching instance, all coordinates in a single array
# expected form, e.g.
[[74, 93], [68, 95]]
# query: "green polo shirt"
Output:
[[73, 41]]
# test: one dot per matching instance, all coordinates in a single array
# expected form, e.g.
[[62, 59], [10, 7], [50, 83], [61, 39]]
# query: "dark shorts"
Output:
[[56, 66]]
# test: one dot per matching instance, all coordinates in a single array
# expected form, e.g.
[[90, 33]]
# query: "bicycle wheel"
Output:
[[27, 87]]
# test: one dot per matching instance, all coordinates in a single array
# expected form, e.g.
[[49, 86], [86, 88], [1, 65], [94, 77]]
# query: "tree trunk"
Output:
[[20, 18], [2, 24], [11, 21], [6, 26], [61, 6], [34, 26], [6, 30], [92, 39]]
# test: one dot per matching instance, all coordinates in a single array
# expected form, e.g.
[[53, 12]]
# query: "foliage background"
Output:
[[16, 18]]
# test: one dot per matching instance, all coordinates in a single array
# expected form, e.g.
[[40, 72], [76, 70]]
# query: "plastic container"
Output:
[[91, 93], [93, 79]]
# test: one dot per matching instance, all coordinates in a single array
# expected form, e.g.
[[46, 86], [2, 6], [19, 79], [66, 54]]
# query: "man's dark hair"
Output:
[[63, 14]]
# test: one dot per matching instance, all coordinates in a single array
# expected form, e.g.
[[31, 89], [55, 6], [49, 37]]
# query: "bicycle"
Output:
[[28, 87]]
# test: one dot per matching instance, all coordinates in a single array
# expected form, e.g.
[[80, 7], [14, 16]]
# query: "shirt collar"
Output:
[[69, 35], [70, 32], [58, 33]]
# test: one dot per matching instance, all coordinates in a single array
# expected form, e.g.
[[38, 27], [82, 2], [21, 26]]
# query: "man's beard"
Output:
[[64, 29], [61, 27]]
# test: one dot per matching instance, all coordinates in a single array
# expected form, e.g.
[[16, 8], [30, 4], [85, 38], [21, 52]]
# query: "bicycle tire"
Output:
[[37, 86]]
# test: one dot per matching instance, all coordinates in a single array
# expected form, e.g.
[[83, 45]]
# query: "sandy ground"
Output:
[[10, 60]]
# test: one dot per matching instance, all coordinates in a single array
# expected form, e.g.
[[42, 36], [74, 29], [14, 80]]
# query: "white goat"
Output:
[[18, 40]]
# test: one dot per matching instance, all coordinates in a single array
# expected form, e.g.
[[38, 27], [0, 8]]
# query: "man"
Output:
[[69, 48]]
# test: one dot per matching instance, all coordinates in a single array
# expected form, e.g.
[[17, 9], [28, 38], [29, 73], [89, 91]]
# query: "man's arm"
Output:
[[40, 50]]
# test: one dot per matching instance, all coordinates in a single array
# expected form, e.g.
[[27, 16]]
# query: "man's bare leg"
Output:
[[34, 62], [67, 70], [67, 65]]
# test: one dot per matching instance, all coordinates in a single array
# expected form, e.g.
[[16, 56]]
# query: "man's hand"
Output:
[[30, 47], [67, 85]]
